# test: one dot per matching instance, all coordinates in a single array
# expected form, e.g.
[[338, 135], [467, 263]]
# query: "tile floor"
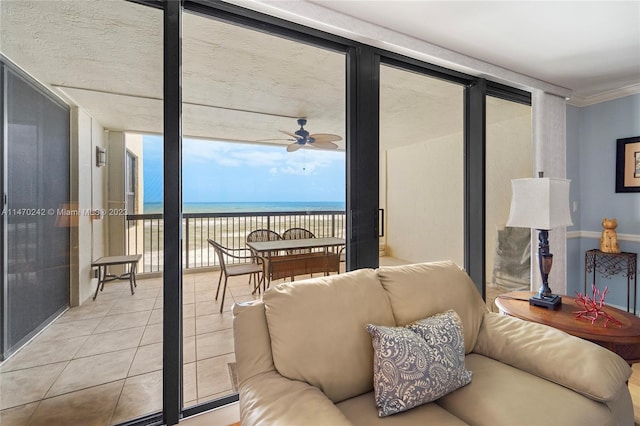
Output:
[[101, 363]]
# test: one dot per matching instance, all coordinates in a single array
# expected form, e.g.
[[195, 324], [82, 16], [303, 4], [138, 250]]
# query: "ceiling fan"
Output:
[[301, 137]]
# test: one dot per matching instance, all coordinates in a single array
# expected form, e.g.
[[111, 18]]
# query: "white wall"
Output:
[[99, 193], [134, 235], [422, 188], [116, 196], [87, 193], [425, 188], [117, 240], [133, 143], [96, 188]]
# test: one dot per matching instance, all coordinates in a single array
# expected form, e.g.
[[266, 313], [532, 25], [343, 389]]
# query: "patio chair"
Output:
[[297, 234], [342, 254], [251, 265], [262, 235]]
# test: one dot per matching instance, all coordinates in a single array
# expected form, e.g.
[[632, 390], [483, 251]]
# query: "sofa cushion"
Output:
[[361, 411], [318, 332], [568, 360], [417, 364], [503, 395], [421, 290]]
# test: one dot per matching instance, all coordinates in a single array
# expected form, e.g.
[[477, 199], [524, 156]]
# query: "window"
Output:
[[131, 183]]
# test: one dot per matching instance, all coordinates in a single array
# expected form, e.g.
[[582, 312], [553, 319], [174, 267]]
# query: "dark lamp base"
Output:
[[549, 302]]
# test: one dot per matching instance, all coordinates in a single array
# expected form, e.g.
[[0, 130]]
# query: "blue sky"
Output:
[[231, 172]]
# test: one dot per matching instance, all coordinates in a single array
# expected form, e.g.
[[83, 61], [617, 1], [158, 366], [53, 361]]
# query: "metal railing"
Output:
[[145, 233]]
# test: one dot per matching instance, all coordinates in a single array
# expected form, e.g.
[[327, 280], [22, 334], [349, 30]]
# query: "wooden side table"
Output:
[[623, 340], [610, 264]]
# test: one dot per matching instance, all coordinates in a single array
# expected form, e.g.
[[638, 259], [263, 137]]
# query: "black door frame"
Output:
[[172, 398], [362, 152]]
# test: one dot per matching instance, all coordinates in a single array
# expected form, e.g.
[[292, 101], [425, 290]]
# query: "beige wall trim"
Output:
[[632, 238]]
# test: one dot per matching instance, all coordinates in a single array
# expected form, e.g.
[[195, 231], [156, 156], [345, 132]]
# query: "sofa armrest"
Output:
[[577, 364], [270, 399], [252, 343]]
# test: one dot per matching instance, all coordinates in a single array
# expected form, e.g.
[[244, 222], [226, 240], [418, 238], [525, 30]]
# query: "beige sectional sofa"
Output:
[[304, 356]]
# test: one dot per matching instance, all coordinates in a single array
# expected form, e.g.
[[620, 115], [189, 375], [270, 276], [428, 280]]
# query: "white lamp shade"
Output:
[[540, 203]]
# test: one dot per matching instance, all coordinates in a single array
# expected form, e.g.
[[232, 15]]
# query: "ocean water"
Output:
[[267, 206]]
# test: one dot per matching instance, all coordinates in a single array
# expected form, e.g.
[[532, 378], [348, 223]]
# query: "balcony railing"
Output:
[[145, 233]]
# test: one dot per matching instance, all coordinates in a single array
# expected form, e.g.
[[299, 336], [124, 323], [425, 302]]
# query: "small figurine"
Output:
[[609, 238]]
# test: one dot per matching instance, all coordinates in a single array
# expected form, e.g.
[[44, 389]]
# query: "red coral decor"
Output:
[[592, 307]]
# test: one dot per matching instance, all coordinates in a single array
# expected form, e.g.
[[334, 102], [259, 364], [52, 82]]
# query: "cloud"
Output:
[[292, 170], [218, 171], [229, 154], [257, 158], [310, 161], [276, 158]]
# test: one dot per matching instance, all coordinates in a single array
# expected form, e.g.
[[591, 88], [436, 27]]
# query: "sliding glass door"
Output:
[[421, 167], [36, 144], [71, 173], [245, 94], [508, 156]]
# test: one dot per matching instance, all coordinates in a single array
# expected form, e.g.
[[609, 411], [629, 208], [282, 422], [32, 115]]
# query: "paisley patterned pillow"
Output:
[[418, 363]]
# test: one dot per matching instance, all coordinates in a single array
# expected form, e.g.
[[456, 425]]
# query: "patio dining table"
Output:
[[280, 265]]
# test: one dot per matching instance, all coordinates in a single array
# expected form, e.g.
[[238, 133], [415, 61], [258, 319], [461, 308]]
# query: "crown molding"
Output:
[[583, 101]]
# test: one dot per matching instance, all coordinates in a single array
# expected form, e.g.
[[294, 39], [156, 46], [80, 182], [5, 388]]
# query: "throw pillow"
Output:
[[418, 363]]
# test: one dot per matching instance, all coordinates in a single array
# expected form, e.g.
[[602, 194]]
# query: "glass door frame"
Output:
[[362, 156]]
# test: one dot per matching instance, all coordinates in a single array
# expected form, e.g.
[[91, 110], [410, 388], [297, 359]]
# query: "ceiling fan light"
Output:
[[302, 137]]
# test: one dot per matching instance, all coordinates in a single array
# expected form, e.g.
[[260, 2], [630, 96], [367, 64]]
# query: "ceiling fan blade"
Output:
[[294, 147], [293, 135], [324, 144], [326, 137], [280, 139]]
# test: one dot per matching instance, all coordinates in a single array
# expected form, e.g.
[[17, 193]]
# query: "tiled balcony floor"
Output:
[[101, 363]]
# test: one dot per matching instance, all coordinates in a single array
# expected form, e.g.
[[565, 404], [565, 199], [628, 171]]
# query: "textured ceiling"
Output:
[[590, 47], [238, 84]]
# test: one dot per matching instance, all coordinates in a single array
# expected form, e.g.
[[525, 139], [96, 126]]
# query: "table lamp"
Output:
[[543, 204]]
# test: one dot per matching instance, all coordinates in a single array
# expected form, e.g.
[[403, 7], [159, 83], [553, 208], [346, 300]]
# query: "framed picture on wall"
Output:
[[628, 165]]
